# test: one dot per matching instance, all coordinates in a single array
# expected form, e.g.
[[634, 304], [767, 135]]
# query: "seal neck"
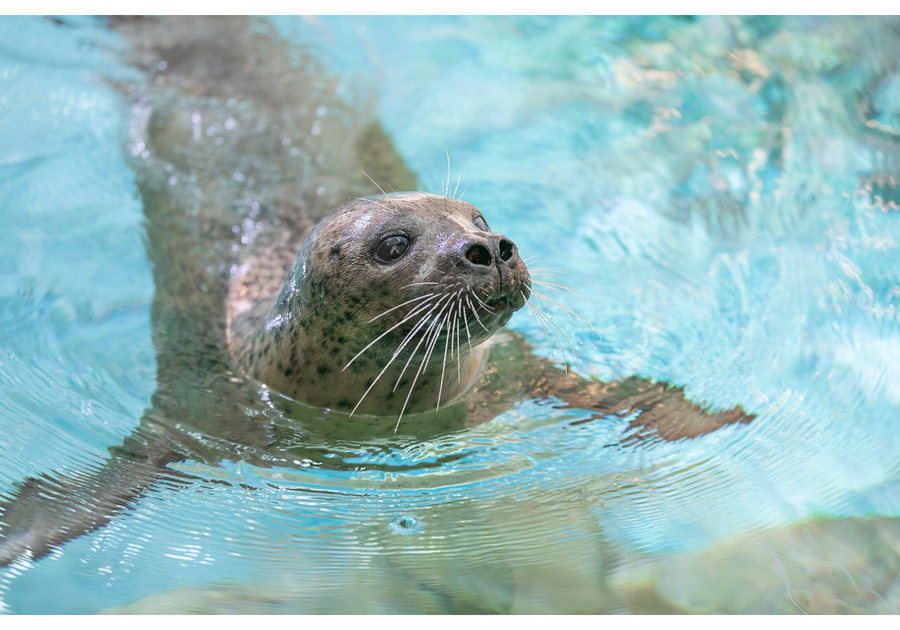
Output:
[[316, 352]]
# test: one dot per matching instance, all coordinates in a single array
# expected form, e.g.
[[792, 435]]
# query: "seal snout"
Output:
[[497, 248], [502, 275]]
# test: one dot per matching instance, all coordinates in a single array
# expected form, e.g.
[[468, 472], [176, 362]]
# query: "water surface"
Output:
[[724, 192]]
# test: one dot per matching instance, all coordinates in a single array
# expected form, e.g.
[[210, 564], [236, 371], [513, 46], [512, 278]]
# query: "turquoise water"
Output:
[[704, 182], [77, 365]]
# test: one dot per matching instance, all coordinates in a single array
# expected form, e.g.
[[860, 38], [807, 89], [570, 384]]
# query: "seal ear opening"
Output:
[[334, 254]]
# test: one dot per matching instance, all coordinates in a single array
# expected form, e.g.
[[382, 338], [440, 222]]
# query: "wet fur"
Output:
[[341, 330]]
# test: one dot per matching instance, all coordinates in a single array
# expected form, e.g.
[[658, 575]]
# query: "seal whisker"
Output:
[[571, 313], [546, 271], [413, 313], [550, 322], [453, 307], [374, 182], [472, 308], [544, 274], [397, 352], [450, 330], [416, 299], [554, 325], [543, 268], [434, 337], [409, 336], [447, 191], [562, 288], [553, 273], [375, 201], [422, 365], [444, 362], [475, 295], [456, 332], [412, 333], [458, 358], [461, 195], [468, 334], [384, 369], [424, 337], [534, 313], [531, 261], [458, 177]]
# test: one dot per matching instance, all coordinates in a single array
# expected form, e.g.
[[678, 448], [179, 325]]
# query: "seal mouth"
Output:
[[511, 294], [500, 305], [478, 311]]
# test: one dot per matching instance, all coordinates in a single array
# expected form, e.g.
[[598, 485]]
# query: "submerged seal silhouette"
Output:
[[384, 292]]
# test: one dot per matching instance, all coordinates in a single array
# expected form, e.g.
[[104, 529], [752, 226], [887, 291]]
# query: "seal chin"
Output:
[[509, 298], [520, 294], [515, 288]]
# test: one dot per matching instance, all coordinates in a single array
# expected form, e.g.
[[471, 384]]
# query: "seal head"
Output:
[[385, 307]]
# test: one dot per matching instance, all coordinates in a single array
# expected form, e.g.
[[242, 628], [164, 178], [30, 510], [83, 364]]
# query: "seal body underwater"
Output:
[[274, 313]]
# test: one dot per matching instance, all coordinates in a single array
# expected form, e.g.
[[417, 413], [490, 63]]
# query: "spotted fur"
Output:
[[302, 338]]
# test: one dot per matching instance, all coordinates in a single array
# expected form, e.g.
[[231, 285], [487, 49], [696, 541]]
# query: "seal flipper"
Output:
[[45, 512], [663, 410]]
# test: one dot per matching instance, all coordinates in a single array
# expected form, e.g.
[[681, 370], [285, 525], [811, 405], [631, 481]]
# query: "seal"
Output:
[[280, 324], [384, 291]]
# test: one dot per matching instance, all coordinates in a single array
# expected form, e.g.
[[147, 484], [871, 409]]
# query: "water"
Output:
[[712, 186], [77, 363]]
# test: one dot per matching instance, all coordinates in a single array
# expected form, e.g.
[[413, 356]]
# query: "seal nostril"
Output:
[[478, 255], [507, 249]]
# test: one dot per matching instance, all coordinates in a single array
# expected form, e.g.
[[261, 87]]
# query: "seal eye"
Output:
[[392, 248], [481, 225]]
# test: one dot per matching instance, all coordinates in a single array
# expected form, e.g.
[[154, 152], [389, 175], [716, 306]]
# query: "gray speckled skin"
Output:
[[299, 340]]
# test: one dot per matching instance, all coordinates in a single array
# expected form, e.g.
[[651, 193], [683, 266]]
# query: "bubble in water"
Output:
[[406, 525]]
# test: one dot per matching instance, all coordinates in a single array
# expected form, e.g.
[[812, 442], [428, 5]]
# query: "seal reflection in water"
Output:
[[388, 309]]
